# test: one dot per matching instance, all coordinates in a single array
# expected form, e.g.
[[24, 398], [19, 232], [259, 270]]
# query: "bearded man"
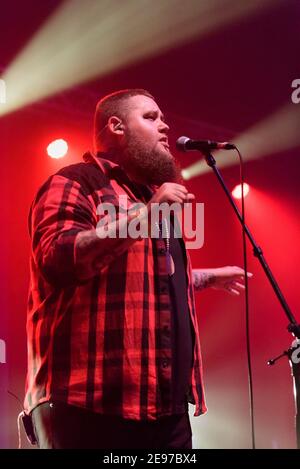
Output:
[[113, 343]]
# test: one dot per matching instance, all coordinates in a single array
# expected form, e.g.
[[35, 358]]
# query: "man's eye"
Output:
[[150, 116]]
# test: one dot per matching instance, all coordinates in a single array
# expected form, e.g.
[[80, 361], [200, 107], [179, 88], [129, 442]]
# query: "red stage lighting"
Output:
[[237, 191], [58, 148]]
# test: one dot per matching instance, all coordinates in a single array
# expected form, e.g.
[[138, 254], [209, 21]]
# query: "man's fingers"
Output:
[[239, 285], [180, 193], [178, 187], [172, 192], [176, 198], [235, 270], [233, 291], [181, 187], [242, 276], [184, 197]]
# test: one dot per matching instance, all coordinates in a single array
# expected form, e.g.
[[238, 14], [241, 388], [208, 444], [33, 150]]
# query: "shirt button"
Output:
[[165, 363], [163, 289], [162, 251]]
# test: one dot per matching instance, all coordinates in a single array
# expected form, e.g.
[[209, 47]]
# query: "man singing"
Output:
[[113, 343]]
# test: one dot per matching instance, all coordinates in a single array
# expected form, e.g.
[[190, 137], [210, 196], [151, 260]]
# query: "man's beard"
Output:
[[149, 166]]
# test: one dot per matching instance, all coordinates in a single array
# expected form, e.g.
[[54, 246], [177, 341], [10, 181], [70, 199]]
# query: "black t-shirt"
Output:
[[182, 335], [182, 332]]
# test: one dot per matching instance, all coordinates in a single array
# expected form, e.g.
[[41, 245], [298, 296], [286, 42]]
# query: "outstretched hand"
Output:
[[230, 279]]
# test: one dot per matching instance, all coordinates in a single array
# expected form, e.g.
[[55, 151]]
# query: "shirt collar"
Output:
[[103, 161], [115, 171]]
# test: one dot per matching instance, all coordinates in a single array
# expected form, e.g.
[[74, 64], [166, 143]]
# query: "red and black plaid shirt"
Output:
[[98, 344]]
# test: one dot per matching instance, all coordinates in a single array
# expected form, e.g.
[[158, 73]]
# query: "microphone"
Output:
[[186, 144]]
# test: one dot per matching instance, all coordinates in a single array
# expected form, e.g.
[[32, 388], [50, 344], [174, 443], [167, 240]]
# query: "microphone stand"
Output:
[[293, 353]]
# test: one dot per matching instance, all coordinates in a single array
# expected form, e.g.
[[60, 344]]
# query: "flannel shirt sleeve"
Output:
[[59, 212]]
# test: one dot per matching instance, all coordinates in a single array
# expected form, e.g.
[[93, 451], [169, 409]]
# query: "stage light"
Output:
[[84, 40], [237, 191], [58, 148], [185, 174], [275, 133]]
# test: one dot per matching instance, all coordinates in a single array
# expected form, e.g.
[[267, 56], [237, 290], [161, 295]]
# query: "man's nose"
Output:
[[163, 127]]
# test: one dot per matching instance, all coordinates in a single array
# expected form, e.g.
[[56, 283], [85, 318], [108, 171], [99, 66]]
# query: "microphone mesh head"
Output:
[[181, 143]]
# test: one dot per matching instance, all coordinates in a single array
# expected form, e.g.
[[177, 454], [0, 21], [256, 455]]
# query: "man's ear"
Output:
[[115, 125]]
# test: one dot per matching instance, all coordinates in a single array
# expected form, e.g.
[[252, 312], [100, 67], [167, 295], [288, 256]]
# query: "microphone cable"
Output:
[[247, 325]]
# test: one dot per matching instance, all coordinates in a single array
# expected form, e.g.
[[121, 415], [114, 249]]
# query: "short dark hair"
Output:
[[113, 104]]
